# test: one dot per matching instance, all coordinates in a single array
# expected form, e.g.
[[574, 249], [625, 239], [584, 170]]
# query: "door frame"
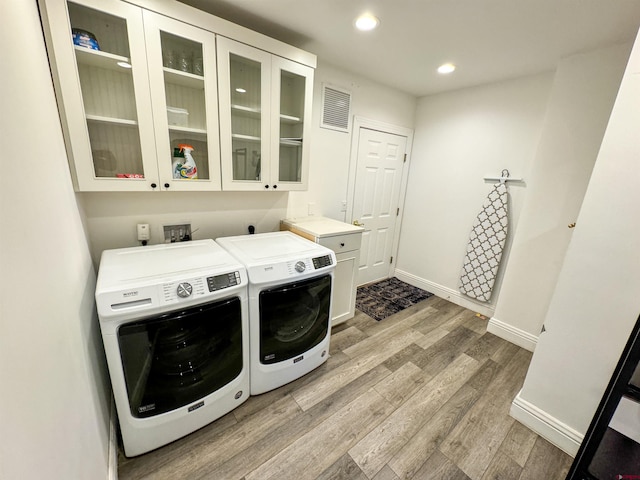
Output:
[[369, 124]]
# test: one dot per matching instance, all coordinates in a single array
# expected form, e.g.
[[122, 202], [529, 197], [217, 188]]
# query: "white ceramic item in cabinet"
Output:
[[103, 94], [265, 112], [182, 79]]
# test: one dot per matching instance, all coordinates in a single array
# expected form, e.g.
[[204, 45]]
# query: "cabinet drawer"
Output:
[[342, 243]]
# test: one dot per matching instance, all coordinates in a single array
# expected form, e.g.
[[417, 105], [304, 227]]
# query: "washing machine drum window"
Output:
[[180, 357], [293, 318]]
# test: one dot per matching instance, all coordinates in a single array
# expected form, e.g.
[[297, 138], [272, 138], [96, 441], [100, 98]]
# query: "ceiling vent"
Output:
[[336, 109]]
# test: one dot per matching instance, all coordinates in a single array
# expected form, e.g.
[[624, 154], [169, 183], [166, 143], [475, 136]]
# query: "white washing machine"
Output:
[[290, 285], [174, 321]]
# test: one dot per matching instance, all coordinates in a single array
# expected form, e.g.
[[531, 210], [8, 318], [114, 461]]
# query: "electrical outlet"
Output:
[[177, 233], [143, 231]]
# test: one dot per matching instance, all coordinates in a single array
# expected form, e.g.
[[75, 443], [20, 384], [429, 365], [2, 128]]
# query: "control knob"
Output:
[[184, 289], [300, 267]]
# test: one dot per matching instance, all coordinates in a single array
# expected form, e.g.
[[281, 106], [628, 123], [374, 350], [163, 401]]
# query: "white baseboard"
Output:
[[512, 334], [113, 444], [548, 427], [445, 292]]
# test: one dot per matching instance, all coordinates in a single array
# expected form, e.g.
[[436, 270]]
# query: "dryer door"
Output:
[[293, 318], [180, 357]]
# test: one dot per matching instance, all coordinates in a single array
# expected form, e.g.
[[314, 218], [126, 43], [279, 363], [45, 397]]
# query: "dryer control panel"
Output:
[[320, 262]]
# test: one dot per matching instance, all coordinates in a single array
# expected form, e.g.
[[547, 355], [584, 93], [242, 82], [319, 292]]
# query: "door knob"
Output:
[[358, 224]]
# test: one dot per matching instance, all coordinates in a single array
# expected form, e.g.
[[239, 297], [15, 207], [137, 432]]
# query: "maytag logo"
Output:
[[196, 406], [130, 294], [299, 359]]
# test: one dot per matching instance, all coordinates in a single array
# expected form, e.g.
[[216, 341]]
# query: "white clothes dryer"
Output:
[[290, 285], [174, 322]]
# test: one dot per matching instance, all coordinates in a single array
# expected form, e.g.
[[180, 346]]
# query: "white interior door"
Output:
[[378, 178]]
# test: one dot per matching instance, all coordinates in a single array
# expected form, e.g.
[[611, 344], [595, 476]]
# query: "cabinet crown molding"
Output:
[[225, 28]]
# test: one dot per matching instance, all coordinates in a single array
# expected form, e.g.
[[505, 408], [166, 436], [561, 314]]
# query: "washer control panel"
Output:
[[196, 287], [223, 281]]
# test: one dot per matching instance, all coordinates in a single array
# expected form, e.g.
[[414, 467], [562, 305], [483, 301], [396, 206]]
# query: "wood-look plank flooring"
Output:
[[423, 394]]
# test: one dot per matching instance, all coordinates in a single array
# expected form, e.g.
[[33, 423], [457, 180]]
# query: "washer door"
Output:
[[293, 318], [180, 357]]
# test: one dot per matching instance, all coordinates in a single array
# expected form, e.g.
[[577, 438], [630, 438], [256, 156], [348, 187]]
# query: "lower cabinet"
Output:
[[343, 304]]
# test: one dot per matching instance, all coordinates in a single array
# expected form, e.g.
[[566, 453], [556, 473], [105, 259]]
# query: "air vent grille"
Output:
[[336, 108]]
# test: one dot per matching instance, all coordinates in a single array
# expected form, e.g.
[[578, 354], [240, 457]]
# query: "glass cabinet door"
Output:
[[182, 76], [291, 119], [244, 95], [108, 118]]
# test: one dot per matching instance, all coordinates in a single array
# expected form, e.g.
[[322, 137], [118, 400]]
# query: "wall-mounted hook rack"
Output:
[[504, 177]]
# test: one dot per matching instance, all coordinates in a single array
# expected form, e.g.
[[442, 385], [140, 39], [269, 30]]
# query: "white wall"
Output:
[[583, 92], [54, 401], [460, 137], [595, 303], [112, 217]]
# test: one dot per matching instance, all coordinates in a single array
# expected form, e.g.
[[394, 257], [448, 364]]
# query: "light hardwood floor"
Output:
[[423, 394]]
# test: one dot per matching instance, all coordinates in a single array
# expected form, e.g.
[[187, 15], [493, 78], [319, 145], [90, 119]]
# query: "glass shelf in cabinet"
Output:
[[195, 131], [289, 119], [111, 120], [248, 138], [291, 142], [184, 79], [245, 111], [97, 58]]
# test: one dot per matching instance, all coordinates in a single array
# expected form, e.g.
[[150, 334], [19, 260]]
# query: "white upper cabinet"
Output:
[[151, 98], [265, 109], [292, 95], [103, 94], [182, 79], [244, 85]]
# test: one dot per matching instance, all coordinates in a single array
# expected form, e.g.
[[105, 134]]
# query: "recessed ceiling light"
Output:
[[367, 22], [241, 90], [446, 68]]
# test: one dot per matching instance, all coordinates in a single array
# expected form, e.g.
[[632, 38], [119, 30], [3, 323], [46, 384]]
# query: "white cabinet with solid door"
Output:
[[118, 101], [182, 80], [265, 112]]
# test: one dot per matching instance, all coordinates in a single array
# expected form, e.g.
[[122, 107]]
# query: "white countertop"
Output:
[[321, 226]]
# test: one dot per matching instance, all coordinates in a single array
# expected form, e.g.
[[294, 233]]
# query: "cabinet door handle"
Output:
[[166, 185], [266, 186], [342, 244], [275, 186], [153, 185]]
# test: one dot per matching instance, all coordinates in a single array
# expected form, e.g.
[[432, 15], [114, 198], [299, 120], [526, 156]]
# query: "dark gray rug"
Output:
[[389, 296]]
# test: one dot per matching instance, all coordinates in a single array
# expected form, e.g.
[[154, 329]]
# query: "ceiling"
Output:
[[488, 40]]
